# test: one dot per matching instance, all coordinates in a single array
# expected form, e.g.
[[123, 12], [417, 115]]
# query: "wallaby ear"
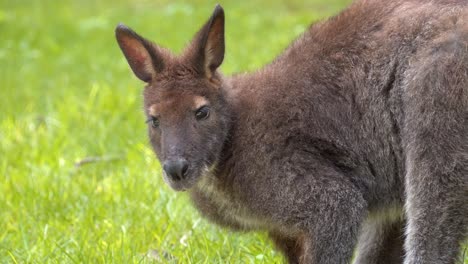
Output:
[[142, 56], [209, 43]]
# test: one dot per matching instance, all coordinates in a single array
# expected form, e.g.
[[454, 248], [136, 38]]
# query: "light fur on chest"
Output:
[[227, 205]]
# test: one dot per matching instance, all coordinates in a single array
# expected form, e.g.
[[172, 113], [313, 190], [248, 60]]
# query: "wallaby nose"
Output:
[[176, 169]]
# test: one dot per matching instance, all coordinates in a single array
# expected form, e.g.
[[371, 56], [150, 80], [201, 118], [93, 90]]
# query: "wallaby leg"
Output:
[[291, 247], [333, 240], [437, 210], [381, 241], [328, 211], [436, 140]]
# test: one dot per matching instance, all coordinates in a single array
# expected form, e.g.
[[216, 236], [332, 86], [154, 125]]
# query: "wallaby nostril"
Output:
[[170, 171], [176, 169], [184, 168]]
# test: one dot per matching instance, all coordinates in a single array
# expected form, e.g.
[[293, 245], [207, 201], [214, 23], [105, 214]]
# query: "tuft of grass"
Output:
[[79, 183]]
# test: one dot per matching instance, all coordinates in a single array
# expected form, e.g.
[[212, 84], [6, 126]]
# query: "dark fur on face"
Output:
[[177, 88], [355, 136], [179, 133]]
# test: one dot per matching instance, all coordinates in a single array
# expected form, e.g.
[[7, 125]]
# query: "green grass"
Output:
[[67, 94]]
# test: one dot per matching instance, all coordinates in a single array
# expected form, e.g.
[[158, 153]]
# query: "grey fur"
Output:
[[359, 126]]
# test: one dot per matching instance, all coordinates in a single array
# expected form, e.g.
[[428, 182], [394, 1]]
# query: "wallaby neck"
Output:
[[234, 104]]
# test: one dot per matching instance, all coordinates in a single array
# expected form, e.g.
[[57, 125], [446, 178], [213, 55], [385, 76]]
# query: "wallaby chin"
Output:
[[354, 137], [192, 179], [180, 186]]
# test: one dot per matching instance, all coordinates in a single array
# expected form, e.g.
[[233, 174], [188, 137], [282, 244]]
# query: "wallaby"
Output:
[[356, 136]]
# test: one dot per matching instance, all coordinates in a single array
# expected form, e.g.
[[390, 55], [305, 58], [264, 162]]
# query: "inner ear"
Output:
[[214, 48], [209, 44], [144, 58]]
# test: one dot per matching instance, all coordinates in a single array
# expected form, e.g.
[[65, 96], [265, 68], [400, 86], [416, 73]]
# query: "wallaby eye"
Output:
[[202, 113], [154, 121]]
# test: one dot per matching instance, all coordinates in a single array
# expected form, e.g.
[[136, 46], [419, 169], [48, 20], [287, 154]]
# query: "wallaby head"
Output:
[[184, 102]]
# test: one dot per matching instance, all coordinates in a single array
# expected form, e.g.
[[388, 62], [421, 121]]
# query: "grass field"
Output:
[[79, 183]]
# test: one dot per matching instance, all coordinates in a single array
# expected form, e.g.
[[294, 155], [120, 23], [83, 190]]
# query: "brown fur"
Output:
[[358, 127]]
